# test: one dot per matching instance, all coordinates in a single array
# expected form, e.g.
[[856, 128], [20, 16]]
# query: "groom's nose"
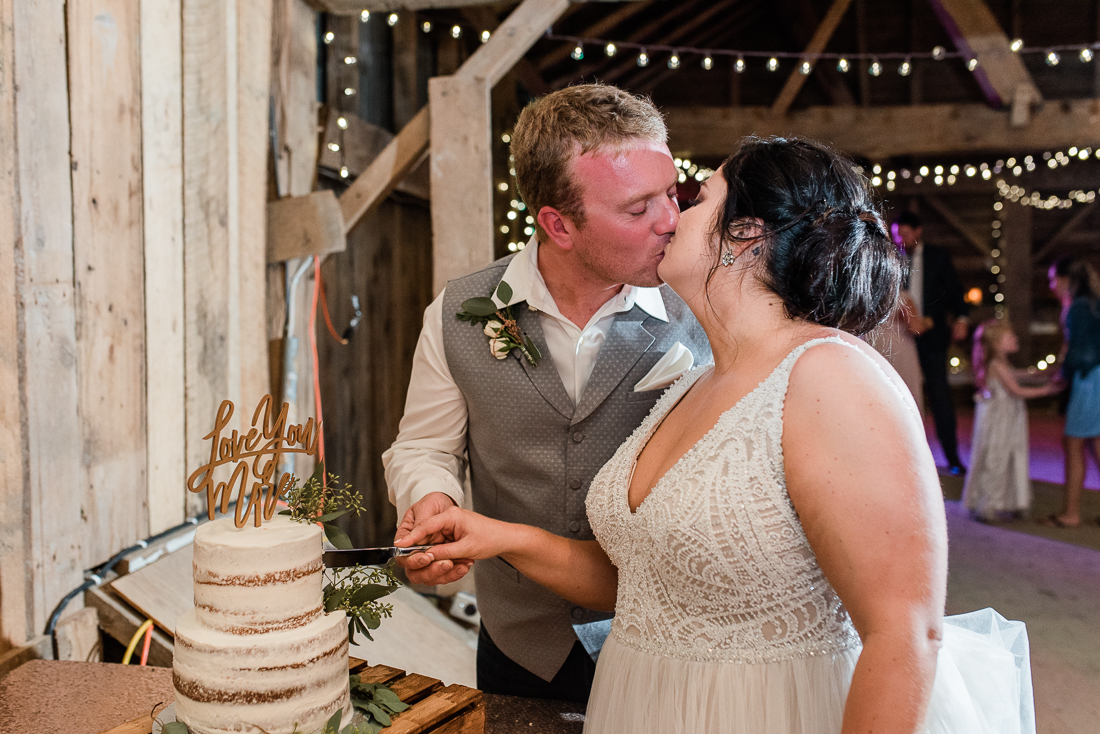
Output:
[[668, 218]]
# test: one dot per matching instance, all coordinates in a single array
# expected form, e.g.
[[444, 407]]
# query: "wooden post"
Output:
[[1015, 242], [52, 447], [105, 102], [461, 177], [162, 188], [406, 87]]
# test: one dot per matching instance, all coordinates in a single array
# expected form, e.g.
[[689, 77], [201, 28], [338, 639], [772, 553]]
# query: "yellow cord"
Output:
[[133, 642]]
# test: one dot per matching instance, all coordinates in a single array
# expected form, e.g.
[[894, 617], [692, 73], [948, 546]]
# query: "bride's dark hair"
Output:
[[827, 253]]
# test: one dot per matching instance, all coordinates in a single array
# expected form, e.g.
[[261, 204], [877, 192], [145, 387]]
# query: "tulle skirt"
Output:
[[982, 686]]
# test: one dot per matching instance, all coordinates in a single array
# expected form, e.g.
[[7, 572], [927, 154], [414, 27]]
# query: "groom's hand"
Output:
[[422, 568]]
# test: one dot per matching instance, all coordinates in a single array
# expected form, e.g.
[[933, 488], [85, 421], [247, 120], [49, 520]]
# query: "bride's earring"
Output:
[[727, 258]]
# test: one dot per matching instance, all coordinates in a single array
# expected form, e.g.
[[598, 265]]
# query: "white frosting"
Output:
[[257, 653], [251, 579]]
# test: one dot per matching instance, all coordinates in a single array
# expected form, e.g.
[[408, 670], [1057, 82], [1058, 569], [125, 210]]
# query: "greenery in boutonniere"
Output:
[[499, 324]]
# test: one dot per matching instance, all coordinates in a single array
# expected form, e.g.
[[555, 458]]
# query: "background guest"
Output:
[[998, 486], [1077, 285], [940, 316]]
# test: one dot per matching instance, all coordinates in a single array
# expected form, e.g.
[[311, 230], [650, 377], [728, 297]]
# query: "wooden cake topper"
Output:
[[265, 444]]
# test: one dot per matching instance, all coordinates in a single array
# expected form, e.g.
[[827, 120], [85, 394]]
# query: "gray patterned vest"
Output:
[[533, 455]]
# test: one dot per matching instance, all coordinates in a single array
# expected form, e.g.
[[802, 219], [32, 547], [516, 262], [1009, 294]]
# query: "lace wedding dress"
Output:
[[724, 621]]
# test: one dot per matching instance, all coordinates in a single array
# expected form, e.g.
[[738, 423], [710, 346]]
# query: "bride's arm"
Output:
[[863, 482], [576, 570]]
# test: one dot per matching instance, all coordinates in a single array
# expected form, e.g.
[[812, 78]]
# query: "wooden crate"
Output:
[[433, 707]]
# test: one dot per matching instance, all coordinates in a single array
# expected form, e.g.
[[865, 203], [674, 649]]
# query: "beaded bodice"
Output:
[[714, 565]]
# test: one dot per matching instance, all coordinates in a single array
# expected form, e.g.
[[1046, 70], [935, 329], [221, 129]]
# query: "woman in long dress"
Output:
[[772, 537]]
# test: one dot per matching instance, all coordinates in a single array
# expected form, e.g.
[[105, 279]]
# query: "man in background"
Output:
[[940, 318]]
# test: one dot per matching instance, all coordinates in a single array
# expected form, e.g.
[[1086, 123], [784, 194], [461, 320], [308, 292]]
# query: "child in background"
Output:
[[998, 486]]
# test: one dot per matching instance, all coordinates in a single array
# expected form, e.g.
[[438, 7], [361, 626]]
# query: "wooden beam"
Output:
[[386, 171], [977, 241], [512, 39], [162, 218], [305, 225], [354, 7], [1062, 235], [524, 70], [887, 131], [816, 45], [1001, 74]]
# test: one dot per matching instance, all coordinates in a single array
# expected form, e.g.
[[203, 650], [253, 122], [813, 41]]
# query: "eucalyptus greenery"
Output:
[[314, 502], [356, 590], [499, 325]]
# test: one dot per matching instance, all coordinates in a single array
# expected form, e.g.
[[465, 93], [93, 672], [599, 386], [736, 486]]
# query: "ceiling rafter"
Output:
[[1063, 233], [821, 38], [1001, 74], [596, 30], [948, 215]]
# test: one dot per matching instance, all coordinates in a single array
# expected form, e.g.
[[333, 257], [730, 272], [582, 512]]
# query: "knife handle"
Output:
[[411, 550]]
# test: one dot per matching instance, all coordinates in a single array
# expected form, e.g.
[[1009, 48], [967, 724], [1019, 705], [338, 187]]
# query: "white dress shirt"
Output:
[[916, 278], [429, 454]]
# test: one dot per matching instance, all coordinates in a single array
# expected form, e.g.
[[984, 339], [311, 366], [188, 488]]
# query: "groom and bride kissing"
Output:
[[708, 482]]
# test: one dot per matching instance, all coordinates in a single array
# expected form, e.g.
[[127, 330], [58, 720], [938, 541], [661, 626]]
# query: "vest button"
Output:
[[574, 527], [575, 484], [578, 437], [577, 612]]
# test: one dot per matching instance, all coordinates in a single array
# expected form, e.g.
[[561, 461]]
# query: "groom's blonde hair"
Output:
[[555, 129]]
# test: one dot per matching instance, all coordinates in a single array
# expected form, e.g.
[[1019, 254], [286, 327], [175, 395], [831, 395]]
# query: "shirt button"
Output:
[[577, 612], [575, 484], [578, 437], [574, 527]]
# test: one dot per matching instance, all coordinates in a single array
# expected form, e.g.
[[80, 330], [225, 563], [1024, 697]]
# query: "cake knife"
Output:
[[368, 556]]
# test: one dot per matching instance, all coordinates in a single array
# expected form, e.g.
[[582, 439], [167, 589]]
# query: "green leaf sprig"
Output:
[[313, 502], [377, 702], [499, 324], [356, 590]]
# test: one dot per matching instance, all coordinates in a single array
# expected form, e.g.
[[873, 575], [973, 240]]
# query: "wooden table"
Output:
[[48, 696]]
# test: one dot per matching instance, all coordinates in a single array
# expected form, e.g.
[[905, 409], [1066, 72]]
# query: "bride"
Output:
[[772, 538]]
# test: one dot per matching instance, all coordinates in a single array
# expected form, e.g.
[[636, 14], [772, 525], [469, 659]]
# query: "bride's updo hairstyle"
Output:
[[827, 253]]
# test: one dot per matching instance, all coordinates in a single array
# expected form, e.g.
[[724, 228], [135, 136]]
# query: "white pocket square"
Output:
[[675, 362]]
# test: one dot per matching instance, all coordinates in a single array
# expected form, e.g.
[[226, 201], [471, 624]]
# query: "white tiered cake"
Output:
[[257, 652]]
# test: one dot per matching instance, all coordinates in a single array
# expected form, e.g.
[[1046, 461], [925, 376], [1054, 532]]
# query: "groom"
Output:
[[593, 167]]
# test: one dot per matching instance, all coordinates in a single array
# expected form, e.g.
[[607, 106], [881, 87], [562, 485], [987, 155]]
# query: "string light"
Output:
[[329, 37], [610, 50], [643, 59], [972, 64], [349, 92], [1016, 45], [1085, 55], [773, 64], [578, 53], [707, 63], [391, 20], [842, 66], [1053, 58], [343, 171], [806, 67], [739, 65], [342, 123], [674, 61], [875, 68], [485, 36], [426, 26], [456, 31], [939, 53], [350, 60]]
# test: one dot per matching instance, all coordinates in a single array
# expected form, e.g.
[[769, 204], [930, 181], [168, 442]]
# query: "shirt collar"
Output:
[[527, 284]]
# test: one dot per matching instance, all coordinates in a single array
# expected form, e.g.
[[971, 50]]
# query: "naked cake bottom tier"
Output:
[[268, 682]]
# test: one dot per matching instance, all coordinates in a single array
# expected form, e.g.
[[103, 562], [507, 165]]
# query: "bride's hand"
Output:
[[466, 537]]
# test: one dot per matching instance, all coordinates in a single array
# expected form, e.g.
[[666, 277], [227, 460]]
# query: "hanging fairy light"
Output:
[[739, 65], [972, 64], [364, 16], [485, 36], [842, 65], [643, 59], [329, 37], [1016, 45], [939, 53], [674, 61], [875, 68], [805, 67], [707, 63], [342, 123], [391, 19], [426, 26], [610, 50], [1053, 58], [577, 53], [905, 68], [773, 64], [1085, 55], [456, 31]]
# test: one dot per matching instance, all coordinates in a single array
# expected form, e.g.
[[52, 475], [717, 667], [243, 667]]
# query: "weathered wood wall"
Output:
[[133, 184]]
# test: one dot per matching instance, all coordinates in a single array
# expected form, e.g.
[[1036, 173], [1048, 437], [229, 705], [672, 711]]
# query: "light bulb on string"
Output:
[[842, 66], [329, 37], [1053, 58], [773, 64], [1016, 45], [875, 68], [578, 53], [739, 67], [939, 53], [972, 64], [906, 68], [342, 123], [364, 16], [1086, 55], [610, 49], [674, 61], [456, 31], [707, 63], [806, 67], [350, 60], [643, 59], [344, 172], [426, 26], [485, 36], [391, 19]]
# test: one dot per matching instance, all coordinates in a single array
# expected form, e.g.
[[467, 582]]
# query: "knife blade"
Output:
[[368, 556]]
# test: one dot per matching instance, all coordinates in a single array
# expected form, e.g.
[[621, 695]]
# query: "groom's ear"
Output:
[[559, 229]]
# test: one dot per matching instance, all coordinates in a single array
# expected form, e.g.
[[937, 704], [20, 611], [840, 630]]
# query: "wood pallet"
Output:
[[433, 707]]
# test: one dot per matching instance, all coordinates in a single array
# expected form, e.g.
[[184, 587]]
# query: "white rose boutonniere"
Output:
[[499, 324]]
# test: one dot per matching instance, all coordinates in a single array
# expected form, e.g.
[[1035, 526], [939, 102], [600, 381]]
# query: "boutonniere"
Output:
[[499, 324]]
